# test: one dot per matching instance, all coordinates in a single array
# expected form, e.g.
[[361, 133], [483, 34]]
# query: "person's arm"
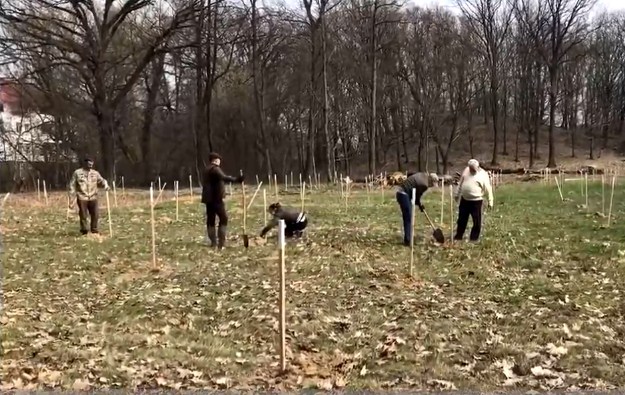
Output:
[[457, 194], [72, 186], [226, 178], [420, 191], [102, 181], [489, 189], [272, 224]]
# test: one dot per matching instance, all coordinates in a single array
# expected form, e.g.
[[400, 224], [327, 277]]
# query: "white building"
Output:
[[23, 134]]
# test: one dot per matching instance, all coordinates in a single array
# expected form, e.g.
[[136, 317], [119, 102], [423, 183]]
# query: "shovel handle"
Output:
[[429, 220]]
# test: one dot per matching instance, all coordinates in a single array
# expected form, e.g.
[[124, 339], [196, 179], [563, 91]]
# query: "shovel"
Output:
[[437, 232], [246, 239]]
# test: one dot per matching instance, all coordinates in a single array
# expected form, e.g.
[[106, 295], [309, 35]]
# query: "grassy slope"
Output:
[[537, 303], [482, 148]]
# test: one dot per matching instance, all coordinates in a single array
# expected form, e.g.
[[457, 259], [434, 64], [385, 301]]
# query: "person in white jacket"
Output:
[[474, 184]]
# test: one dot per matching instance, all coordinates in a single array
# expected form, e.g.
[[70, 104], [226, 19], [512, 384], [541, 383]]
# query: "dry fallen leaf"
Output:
[[81, 385]]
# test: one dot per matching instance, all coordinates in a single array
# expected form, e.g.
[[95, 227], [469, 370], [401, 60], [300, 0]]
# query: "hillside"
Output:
[[482, 148]]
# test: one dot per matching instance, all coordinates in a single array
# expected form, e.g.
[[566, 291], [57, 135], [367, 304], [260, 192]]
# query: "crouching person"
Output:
[[295, 221]]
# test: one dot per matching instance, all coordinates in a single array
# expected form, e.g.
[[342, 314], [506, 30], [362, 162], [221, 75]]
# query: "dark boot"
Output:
[[221, 234], [212, 235]]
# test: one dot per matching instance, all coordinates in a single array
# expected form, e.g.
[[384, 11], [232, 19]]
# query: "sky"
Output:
[[607, 5]]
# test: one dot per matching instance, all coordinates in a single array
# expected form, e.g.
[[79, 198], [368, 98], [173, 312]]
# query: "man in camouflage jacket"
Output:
[[83, 187]]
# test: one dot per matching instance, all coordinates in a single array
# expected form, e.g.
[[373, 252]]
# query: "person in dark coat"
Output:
[[213, 194], [295, 221], [420, 182]]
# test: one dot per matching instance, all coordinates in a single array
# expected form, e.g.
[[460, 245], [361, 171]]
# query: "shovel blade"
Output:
[[438, 235], [246, 241]]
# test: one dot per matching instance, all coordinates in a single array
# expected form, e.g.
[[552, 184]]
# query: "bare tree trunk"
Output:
[[373, 81]]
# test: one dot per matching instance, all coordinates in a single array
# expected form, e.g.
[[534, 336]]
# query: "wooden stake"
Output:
[[282, 308], [451, 213], [114, 194], [303, 194], [154, 225], [412, 227], [275, 183], [45, 192], [176, 185], [123, 188], [368, 192], [191, 185], [6, 197], [611, 200], [292, 184], [265, 204], [442, 200], [559, 189], [159, 183], [254, 195], [603, 194], [38, 189], [286, 183], [108, 212], [245, 242], [158, 199], [310, 183], [586, 188], [257, 181]]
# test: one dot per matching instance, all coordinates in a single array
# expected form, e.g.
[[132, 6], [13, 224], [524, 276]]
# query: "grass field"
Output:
[[536, 304]]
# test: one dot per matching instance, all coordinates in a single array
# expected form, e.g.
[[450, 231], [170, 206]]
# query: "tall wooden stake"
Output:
[[286, 183], [114, 193], [303, 194], [442, 200], [586, 188], [611, 200], [108, 212], [412, 227], [275, 183], [265, 204], [451, 213], [603, 194], [176, 185], [38, 189], [191, 185], [45, 192], [559, 189], [123, 188], [154, 225], [281, 227]]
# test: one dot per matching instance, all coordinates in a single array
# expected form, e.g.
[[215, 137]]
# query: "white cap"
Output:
[[474, 164]]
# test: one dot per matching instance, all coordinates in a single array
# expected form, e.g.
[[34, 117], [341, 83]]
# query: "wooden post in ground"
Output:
[[275, 183], [413, 228], [45, 192], [38, 189], [586, 188], [176, 185], [442, 200], [191, 185], [108, 211], [153, 225], [265, 204], [451, 213], [611, 200], [303, 195], [114, 193], [603, 194], [123, 188], [282, 302]]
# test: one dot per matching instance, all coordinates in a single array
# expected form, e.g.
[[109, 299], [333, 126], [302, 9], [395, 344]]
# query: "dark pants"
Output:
[[88, 207], [295, 228], [405, 204], [216, 210], [468, 208]]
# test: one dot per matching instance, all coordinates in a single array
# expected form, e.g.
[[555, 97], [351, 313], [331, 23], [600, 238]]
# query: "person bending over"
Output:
[[213, 194], [295, 221], [421, 182]]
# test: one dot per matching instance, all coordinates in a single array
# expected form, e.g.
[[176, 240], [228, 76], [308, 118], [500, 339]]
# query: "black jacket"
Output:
[[289, 215], [418, 181], [214, 184]]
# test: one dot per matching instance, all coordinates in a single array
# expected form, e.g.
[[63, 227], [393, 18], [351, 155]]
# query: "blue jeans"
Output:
[[405, 204]]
